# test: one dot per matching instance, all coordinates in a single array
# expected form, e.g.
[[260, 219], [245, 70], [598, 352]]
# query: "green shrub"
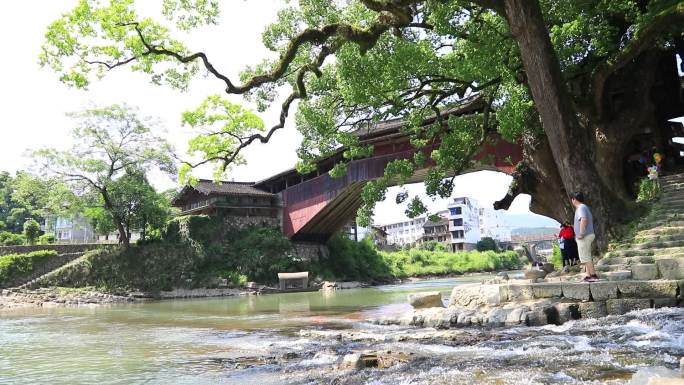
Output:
[[31, 231], [252, 254], [46, 239], [556, 257], [361, 261], [352, 260], [433, 246], [10, 239], [649, 190], [486, 244], [13, 266]]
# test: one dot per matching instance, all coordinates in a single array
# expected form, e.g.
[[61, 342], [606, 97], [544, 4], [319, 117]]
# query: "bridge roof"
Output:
[[386, 129], [391, 126]]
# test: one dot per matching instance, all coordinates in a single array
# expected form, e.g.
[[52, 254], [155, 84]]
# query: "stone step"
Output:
[[644, 252], [616, 267], [620, 275], [659, 237], [624, 261], [672, 177], [664, 230], [661, 223], [671, 199], [657, 244], [644, 271], [670, 268], [673, 204], [672, 188], [667, 209]]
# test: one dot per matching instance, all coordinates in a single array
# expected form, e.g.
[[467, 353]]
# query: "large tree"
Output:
[[113, 149], [573, 81]]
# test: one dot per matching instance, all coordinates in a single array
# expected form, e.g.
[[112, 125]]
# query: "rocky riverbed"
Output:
[[15, 298], [530, 302]]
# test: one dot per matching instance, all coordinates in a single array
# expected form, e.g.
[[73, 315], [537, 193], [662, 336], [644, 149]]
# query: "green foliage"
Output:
[[351, 260], [413, 262], [46, 239], [649, 190], [13, 266], [10, 239], [433, 246], [113, 151], [259, 253], [223, 126], [361, 261], [556, 257], [450, 52], [194, 252], [486, 244], [31, 231]]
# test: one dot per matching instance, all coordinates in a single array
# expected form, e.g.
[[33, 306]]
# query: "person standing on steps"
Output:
[[568, 246], [584, 233]]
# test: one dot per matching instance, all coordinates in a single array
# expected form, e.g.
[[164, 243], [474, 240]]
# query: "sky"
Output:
[[33, 102]]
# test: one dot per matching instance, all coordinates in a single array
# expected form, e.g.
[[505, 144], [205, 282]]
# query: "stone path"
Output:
[[657, 249]]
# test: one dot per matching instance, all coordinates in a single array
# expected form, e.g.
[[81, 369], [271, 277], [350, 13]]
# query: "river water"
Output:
[[299, 338]]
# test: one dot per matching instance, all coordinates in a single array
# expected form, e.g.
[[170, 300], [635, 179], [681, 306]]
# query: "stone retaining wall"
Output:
[[60, 249], [49, 265], [537, 304], [499, 294], [310, 251]]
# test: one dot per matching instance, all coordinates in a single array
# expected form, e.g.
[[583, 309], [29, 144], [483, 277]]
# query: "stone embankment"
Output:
[[58, 297], [646, 272]]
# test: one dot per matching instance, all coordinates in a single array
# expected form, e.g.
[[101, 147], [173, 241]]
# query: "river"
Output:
[[299, 338]]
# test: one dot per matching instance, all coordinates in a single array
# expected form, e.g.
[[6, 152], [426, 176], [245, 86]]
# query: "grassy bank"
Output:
[[14, 267], [197, 250], [362, 261], [255, 253]]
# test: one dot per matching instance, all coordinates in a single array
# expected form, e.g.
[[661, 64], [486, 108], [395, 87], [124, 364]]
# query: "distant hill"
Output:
[[533, 230]]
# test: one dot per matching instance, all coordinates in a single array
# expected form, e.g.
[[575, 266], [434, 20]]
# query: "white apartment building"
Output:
[[493, 225], [70, 230], [408, 232], [464, 224]]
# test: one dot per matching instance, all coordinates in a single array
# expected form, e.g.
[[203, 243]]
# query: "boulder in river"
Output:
[[548, 267], [534, 274], [425, 300]]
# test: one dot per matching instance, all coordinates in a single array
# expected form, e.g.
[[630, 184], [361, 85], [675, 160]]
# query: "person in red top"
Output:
[[568, 245]]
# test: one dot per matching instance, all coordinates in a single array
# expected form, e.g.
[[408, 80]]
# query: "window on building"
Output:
[[458, 222]]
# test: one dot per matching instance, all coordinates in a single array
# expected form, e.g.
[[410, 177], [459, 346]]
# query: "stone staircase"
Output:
[[45, 277], [657, 249]]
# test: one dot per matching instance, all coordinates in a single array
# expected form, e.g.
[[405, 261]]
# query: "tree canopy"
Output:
[[358, 62], [114, 149]]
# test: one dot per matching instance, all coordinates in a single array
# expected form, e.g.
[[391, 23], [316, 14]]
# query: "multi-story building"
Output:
[[436, 231], [493, 225], [464, 224], [403, 233], [69, 230]]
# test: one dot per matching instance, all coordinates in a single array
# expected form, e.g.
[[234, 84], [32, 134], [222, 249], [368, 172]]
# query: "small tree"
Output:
[[31, 231], [487, 243], [109, 142]]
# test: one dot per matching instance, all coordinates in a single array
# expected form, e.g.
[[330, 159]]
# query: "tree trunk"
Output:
[[570, 143], [538, 177], [123, 237]]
